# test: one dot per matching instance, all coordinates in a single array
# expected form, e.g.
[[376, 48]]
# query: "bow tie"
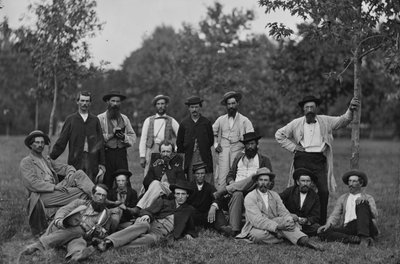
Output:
[[161, 117], [122, 192]]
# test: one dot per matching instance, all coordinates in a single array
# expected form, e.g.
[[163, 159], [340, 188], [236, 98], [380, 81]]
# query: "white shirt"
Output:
[[302, 198], [351, 208], [84, 116], [159, 131], [264, 197], [312, 139], [247, 168], [199, 187]]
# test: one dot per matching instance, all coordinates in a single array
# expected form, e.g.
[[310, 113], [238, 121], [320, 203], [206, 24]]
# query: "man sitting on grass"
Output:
[[123, 199], [267, 219], [75, 225], [302, 201], [162, 218], [207, 210], [353, 219], [40, 177]]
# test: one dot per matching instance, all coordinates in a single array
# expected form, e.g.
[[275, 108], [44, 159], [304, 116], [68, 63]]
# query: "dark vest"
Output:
[[167, 132]]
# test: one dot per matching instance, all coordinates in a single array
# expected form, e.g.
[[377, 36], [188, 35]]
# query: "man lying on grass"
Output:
[[353, 219], [40, 177], [267, 219], [76, 225], [162, 218]]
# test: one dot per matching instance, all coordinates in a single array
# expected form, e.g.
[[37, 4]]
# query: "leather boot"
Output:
[[306, 242]]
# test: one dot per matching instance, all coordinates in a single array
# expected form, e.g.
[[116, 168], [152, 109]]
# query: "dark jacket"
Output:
[[173, 170], [130, 201], [311, 207], [74, 132], [202, 200], [202, 131], [183, 221], [264, 162]]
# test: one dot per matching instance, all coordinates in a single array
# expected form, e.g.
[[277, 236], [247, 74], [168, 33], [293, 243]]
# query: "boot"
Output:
[[306, 242]]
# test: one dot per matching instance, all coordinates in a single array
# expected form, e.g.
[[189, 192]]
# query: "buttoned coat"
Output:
[[290, 136], [311, 207]]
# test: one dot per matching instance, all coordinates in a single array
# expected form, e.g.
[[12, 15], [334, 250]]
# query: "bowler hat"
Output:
[[192, 100], [121, 172], [36, 133], [249, 137], [159, 97], [198, 166], [309, 98], [112, 94], [185, 185], [358, 173], [263, 171], [303, 171], [231, 94]]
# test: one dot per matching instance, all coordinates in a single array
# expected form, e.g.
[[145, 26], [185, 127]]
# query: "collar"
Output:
[[262, 194]]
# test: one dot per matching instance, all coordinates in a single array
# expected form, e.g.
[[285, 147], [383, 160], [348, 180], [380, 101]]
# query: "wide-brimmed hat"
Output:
[[231, 94], [185, 185], [249, 137], [192, 100], [358, 173], [121, 172], [263, 171], [309, 98], [74, 213], [303, 171], [36, 133], [112, 94], [159, 97], [198, 166]]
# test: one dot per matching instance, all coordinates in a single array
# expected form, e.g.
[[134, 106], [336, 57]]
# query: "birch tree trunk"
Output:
[[355, 130], [53, 108]]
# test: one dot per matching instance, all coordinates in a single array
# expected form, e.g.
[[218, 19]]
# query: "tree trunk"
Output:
[[36, 113], [355, 130], [53, 108]]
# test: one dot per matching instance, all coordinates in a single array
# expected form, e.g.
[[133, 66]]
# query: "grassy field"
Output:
[[379, 159]]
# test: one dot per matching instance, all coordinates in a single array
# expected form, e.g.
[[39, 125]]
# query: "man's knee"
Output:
[[237, 196]]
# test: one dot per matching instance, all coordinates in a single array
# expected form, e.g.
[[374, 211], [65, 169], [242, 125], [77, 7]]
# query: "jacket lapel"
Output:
[[271, 205]]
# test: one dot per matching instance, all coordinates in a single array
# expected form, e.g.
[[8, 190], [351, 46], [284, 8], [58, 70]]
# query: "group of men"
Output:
[[98, 208]]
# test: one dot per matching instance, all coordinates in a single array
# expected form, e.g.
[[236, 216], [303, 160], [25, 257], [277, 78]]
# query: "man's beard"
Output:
[[114, 111], [161, 111], [166, 159], [263, 188], [98, 206], [232, 112], [310, 117], [251, 153], [304, 189]]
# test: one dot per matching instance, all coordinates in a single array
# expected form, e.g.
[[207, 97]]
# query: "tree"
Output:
[[362, 26], [57, 46]]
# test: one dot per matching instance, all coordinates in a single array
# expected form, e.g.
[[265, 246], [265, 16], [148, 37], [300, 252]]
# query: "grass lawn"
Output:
[[379, 159]]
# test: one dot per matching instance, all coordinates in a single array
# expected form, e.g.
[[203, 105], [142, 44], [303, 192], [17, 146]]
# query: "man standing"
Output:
[[310, 139], [195, 139], [82, 131], [75, 226], [156, 128], [353, 219], [162, 218], [40, 178], [118, 135], [239, 179], [228, 131], [207, 211], [267, 219], [162, 173], [302, 201]]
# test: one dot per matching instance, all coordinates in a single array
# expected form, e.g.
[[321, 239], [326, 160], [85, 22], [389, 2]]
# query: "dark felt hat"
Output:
[[310, 98], [303, 171], [159, 97], [198, 166], [231, 94], [192, 100], [358, 173], [249, 137], [121, 172], [36, 133], [185, 185], [263, 171], [112, 94]]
